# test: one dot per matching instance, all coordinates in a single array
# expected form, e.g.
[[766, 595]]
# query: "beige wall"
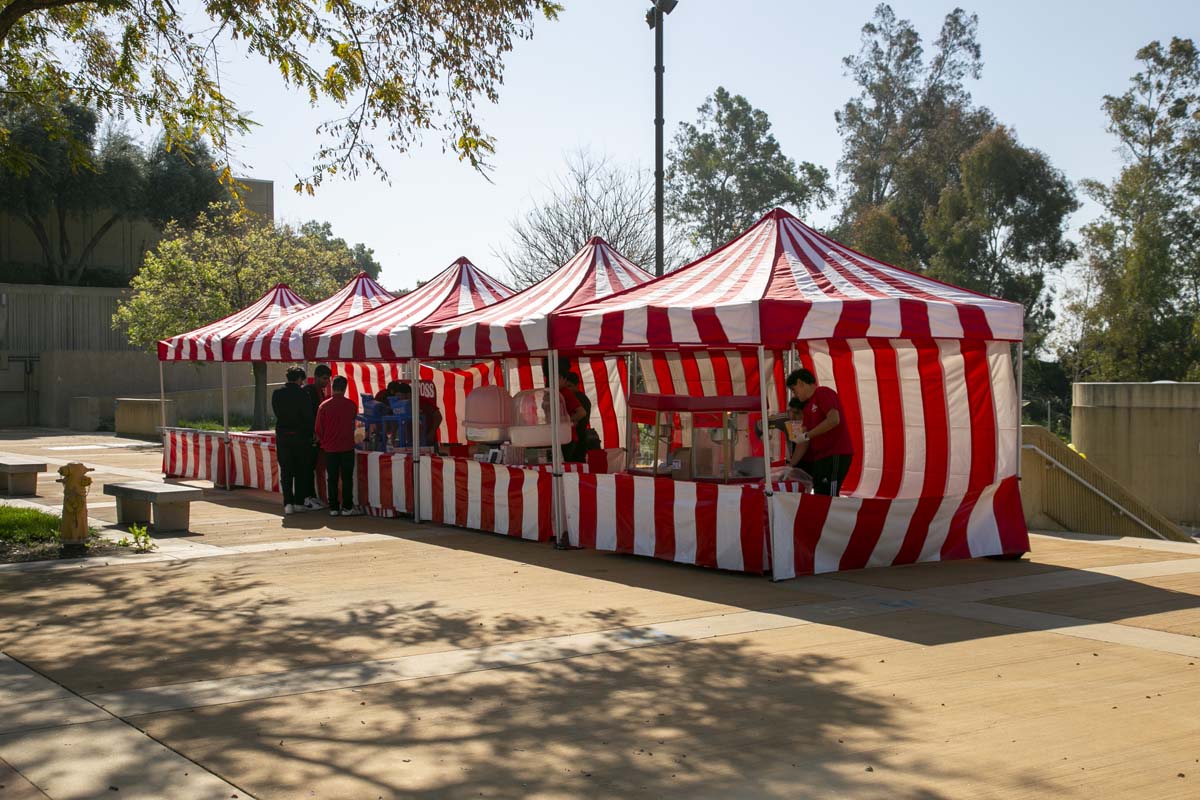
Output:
[[1147, 436]]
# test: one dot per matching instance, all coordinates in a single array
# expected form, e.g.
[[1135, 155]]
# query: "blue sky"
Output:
[[587, 81]]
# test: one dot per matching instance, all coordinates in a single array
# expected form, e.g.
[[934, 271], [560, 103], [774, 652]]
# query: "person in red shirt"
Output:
[[824, 450], [576, 413], [335, 436]]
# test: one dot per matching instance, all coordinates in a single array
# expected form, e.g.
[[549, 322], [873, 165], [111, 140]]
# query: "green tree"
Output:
[[593, 197], [181, 182], [905, 132], [224, 262], [400, 68], [727, 169], [1138, 318], [362, 258], [1002, 227], [111, 187]]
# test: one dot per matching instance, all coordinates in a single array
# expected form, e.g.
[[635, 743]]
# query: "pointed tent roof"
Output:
[[777, 283], [520, 324], [205, 344], [282, 339], [385, 334]]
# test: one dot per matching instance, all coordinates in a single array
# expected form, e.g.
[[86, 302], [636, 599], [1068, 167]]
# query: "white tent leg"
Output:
[[555, 447], [225, 416], [767, 490], [1020, 399], [631, 448], [162, 398], [414, 376]]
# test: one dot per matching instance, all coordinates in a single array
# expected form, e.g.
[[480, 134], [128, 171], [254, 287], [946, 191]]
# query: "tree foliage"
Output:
[[1002, 227], [115, 181], [727, 169], [1138, 309], [593, 197], [362, 258], [399, 68]]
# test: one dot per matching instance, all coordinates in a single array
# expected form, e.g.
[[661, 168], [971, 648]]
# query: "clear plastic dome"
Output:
[[529, 425], [488, 414]]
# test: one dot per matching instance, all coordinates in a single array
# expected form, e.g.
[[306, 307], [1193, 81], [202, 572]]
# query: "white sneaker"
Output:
[[289, 509], [314, 503], [353, 512], [334, 513]]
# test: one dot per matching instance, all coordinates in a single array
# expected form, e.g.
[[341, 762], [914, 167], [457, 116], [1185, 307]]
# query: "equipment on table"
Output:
[[488, 415], [695, 438], [530, 420]]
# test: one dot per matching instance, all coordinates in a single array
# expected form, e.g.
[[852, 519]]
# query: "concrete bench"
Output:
[[18, 476], [170, 504]]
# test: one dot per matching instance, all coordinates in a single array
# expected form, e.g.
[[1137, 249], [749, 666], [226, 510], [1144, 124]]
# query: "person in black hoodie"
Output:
[[294, 421]]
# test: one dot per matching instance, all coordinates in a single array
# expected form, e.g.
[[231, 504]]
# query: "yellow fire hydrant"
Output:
[[73, 529]]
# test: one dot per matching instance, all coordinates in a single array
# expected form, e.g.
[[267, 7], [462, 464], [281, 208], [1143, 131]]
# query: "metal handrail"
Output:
[[1084, 481]]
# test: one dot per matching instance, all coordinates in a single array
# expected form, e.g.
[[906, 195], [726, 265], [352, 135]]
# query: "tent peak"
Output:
[[595, 240]]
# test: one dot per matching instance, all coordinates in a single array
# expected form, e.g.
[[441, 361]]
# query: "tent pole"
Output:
[[225, 415], [1020, 400], [162, 397], [414, 377], [556, 462], [766, 438], [631, 370]]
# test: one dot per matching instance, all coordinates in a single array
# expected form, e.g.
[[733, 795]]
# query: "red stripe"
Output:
[[708, 326], [516, 501], [611, 330], [956, 544], [624, 511], [806, 530], [692, 381], [891, 410], [664, 519], [588, 517], [936, 418], [846, 378], [918, 530], [487, 497], [868, 526], [706, 524], [387, 498], [461, 492], [1010, 517], [437, 490], [983, 414], [753, 534], [545, 507]]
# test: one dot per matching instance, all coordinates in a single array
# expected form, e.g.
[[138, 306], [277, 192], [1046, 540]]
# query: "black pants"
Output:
[[827, 473], [340, 466], [294, 452]]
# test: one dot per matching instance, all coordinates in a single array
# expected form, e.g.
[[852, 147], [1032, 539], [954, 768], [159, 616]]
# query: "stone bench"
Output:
[[170, 504], [18, 476]]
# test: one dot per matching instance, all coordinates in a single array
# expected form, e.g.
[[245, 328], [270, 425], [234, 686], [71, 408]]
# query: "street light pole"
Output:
[[658, 141], [654, 18]]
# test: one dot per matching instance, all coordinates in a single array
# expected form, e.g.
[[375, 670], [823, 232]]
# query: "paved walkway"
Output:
[[314, 657]]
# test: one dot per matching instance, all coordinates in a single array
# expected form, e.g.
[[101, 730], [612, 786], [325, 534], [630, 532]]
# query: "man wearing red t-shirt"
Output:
[[335, 435], [824, 450]]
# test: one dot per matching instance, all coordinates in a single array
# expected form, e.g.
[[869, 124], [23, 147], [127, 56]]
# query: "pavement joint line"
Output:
[[11, 741], [124, 472]]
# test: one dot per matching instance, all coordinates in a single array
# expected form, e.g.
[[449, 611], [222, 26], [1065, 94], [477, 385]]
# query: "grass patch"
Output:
[[22, 527], [208, 424], [27, 534]]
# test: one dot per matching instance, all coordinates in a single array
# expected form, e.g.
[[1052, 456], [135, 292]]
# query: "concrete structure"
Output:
[[165, 506], [142, 417], [1147, 437]]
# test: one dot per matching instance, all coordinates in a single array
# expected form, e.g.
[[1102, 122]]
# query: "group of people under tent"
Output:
[[315, 415]]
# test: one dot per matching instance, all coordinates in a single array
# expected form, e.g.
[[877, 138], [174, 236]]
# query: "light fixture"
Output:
[[661, 6]]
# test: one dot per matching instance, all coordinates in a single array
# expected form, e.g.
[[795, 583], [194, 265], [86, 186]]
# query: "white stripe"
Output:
[[1005, 406], [983, 533], [729, 528], [891, 538], [685, 515], [939, 529], [643, 516], [913, 478], [862, 357], [783, 551], [835, 535], [531, 502], [959, 419]]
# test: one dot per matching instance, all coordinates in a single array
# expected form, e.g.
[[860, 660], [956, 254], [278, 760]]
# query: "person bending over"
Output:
[[335, 434], [431, 415], [824, 450]]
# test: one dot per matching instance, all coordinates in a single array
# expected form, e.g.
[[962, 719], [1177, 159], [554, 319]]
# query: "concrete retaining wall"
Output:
[[1147, 436]]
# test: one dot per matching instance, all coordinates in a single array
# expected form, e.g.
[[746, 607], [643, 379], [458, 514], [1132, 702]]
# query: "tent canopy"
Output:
[[386, 333], [282, 339], [520, 324], [205, 344], [777, 283]]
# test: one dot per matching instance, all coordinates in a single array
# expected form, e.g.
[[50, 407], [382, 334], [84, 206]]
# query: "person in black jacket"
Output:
[[318, 392], [294, 421]]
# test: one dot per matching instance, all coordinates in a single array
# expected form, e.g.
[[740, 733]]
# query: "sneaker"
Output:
[[314, 503], [334, 513], [351, 512], [289, 509]]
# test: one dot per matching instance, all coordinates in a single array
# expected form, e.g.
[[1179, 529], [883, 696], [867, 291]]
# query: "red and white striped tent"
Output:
[[923, 371], [520, 324], [206, 343], [386, 334], [282, 339]]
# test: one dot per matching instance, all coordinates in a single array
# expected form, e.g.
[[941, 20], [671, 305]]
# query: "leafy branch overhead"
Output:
[[394, 70]]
